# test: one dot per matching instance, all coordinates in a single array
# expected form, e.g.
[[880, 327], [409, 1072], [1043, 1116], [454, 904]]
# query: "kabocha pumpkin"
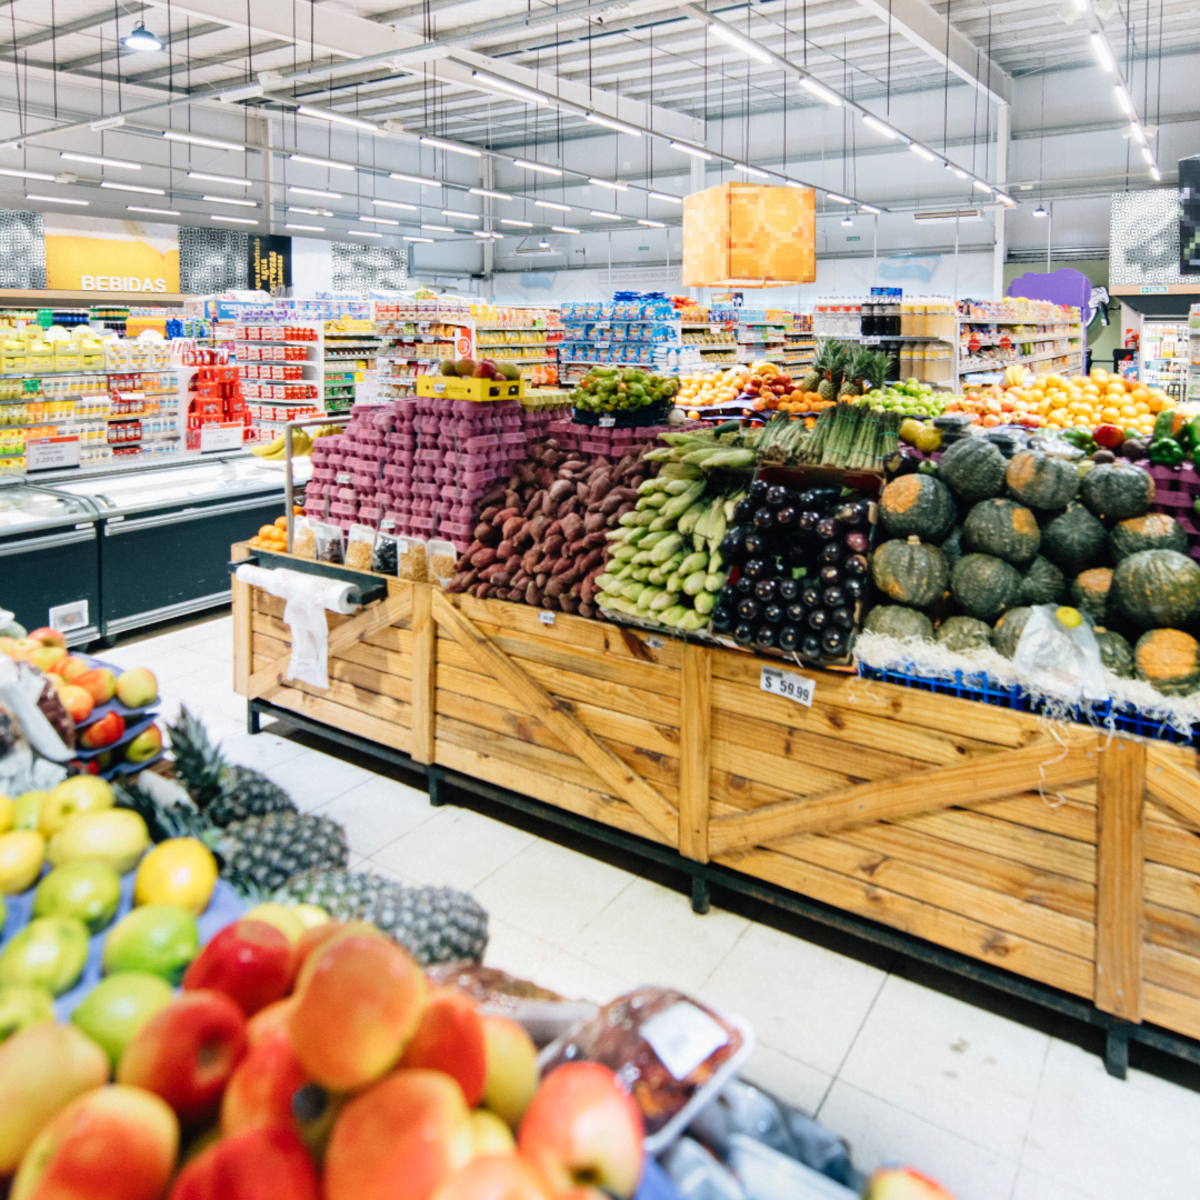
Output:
[[1115, 652], [1002, 529], [973, 468], [964, 634], [1154, 531], [1091, 592], [897, 621], [1075, 540], [1155, 588], [1041, 480], [985, 586], [917, 504], [909, 572], [1168, 660], [1008, 630], [952, 547], [1043, 583], [1117, 491]]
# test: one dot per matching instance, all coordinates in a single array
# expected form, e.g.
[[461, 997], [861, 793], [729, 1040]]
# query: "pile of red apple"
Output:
[[325, 1070]]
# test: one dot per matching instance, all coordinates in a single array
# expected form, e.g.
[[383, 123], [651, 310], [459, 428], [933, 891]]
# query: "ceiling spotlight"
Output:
[[870, 208], [240, 203], [54, 199], [441, 228], [363, 233], [838, 198], [320, 195], [1156, 174], [552, 204], [234, 220], [614, 185], [666, 196], [608, 216], [922, 152], [847, 220], [1040, 212], [564, 229], [651, 224], [380, 220], [141, 39], [1102, 52], [489, 83], [981, 186], [957, 171], [463, 216], [17, 173], [543, 244]]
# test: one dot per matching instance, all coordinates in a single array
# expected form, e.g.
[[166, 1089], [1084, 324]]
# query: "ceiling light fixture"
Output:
[[195, 139], [141, 39], [363, 233], [234, 220], [394, 204], [17, 173], [957, 171], [240, 203], [922, 152], [324, 114], [162, 212], [552, 204], [101, 162], [485, 233], [1156, 174], [981, 186], [132, 187], [514, 221], [879, 126], [1006, 200], [465, 216], [694, 151], [441, 228], [55, 199], [439, 144], [651, 224], [309, 212], [113, 122], [409, 238], [847, 220], [565, 229], [749, 170], [488, 82], [489, 194], [380, 220], [527, 165], [327, 163], [666, 196], [252, 91], [420, 180], [303, 191], [219, 179], [1040, 212], [307, 228], [870, 208], [1136, 130], [612, 123], [809, 84], [1123, 100], [744, 44], [1147, 155], [1103, 53], [608, 216], [613, 185], [840, 199], [543, 244]]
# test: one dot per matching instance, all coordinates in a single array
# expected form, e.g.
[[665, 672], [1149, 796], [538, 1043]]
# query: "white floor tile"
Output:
[[881, 1134], [552, 892], [650, 933], [575, 979], [313, 779], [797, 1083], [1112, 1139], [378, 811], [1031, 1185], [262, 751], [802, 999], [956, 1065], [456, 847], [514, 950]]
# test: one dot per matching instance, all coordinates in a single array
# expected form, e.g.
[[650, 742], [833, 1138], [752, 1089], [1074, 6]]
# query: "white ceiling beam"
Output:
[[919, 23]]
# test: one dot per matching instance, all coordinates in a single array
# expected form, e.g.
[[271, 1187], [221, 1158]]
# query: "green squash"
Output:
[[952, 547], [1074, 541], [964, 634], [909, 572], [1043, 583], [1041, 480], [1115, 652], [897, 621], [1008, 630], [917, 504], [1157, 588], [1168, 660], [1154, 531], [973, 468], [1002, 529], [985, 586], [1117, 491], [1091, 592]]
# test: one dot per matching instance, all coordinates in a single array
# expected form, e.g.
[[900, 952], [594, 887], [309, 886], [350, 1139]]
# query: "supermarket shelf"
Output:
[[515, 328], [993, 321], [272, 342], [501, 345]]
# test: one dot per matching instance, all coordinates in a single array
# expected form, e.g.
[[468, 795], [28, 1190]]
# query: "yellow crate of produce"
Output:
[[451, 387]]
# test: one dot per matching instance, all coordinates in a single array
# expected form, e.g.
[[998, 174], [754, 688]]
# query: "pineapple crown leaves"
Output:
[[163, 821], [197, 760], [876, 367]]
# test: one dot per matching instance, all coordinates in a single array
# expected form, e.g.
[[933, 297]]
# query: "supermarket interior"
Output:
[[599, 601]]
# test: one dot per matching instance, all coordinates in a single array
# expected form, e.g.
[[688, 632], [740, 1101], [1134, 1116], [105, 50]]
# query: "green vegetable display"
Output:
[[622, 389]]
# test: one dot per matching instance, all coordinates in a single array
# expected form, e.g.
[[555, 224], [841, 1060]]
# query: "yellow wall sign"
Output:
[[86, 254]]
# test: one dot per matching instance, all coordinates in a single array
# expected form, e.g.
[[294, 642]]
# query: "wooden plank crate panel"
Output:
[[342, 716]]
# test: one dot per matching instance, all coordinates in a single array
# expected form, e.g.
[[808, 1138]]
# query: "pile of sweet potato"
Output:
[[541, 537]]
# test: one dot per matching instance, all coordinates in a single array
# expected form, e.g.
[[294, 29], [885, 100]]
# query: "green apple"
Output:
[[49, 952], [160, 938], [22, 1006], [117, 1007], [86, 889]]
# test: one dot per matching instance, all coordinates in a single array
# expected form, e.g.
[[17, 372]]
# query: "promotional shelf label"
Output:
[[788, 684], [49, 454]]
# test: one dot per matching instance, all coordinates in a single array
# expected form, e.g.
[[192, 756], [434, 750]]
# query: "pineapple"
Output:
[[856, 362], [875, 370], [816, 372], [434, 924], [223, 792], [835, 365]]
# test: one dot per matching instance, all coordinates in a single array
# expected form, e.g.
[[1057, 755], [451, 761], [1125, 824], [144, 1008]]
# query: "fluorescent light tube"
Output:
[[1157, 174], [651, 224], [839, 198], [870, 208], [309, 212], [490, 82], [409, 238], [441, 228], [957, 171], [749, 170], [132, 187], [611, 123], [983, 187], [1123, 100], [421, 180], [162, 212], [739, 42], [323, 114], [564, 229], [439, 144], [195, 139], [1137, 131], [55, 199], [234, 220], [466, 216], [363, 233], [1102, 52], [328, 163], [921, 152], [101, 162], [613, 185], [809, 84], [608, 216], [667, 197], [876, 124], [552, 204], [113, 122], [1147, 155], [307, 228], [1007, 201], [219, 179], [527, 165], [17, 173], [694, 151], [514, 221], [491, 195], [380, 220], [484, 233], [250, 92], [303, 191], [239, 203], [394, 204]]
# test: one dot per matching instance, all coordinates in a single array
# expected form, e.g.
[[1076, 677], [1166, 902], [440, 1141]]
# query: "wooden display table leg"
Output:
[[701, 899], [1116, 1050]]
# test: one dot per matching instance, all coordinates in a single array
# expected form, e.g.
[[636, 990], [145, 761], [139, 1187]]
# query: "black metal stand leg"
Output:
[[252, 722], [1116, 1052], [700, 896], [434, 776]]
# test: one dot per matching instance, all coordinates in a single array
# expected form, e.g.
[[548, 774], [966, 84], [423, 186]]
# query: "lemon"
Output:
[[1072, 618], [76, 795], [8, 814], [21, 855], [283, 918], [179, 871], [116, 836], [27, 809], [311, 915]]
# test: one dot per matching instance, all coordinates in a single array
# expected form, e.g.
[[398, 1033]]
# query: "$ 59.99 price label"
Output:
[[788, 684]]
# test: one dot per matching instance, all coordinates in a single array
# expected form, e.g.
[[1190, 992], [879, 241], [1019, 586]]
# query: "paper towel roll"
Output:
[[332, 594]]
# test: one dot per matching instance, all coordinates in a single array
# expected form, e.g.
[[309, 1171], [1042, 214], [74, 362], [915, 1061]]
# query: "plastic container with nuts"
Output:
[[442, 561], [411, 559], [359, 545]]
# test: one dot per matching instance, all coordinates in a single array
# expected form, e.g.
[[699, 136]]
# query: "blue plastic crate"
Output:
[[977, 686], [1124, 718]]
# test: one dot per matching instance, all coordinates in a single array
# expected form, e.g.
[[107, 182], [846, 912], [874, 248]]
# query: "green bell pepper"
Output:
[[1166, 452]]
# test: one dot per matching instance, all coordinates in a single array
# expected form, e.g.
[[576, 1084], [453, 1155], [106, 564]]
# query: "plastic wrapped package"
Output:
[[766, 1174], [697, 1175]]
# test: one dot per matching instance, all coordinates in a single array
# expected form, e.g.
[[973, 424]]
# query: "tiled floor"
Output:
[[995, 1108]]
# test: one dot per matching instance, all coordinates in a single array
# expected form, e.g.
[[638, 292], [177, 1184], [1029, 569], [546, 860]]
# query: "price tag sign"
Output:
[[788, 684], [49, 454], [546, 617], [226, 435], [607, 422]]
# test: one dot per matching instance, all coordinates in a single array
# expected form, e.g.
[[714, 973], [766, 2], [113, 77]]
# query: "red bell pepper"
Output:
[[1108, 436]]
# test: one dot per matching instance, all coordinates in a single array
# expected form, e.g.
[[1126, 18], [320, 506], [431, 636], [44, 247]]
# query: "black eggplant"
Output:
[[777, 495], [823, 500], [827, 528], [789, 589], [856, 566], [833, 597], [831, 552], [853, 515], [789, 638], [818, 618], [795, 613], [756, 568], [743, 634], [733, 544], [765, 635], [723, 616], [764, 517], [773, 613], [830, 575], [757, 544], [758, 490], [856, 542], [744, 585], [744, 510], [833, 643], [810, 647], [854, 588], [843, 617], [810, 596], [765, 589], [748, 608], [807, 521], [786, 517]]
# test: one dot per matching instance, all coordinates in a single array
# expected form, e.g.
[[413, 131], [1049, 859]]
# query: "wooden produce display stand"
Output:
[[1038, 856]]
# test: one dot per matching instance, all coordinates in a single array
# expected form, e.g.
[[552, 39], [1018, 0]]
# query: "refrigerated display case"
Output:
[[164, 535], [49, 559]]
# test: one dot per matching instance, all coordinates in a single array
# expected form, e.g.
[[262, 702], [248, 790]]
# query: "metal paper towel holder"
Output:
[[367, 587]]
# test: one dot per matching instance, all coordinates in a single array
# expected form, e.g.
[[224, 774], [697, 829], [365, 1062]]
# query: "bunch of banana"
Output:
[[328, 430], [274, 451]]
